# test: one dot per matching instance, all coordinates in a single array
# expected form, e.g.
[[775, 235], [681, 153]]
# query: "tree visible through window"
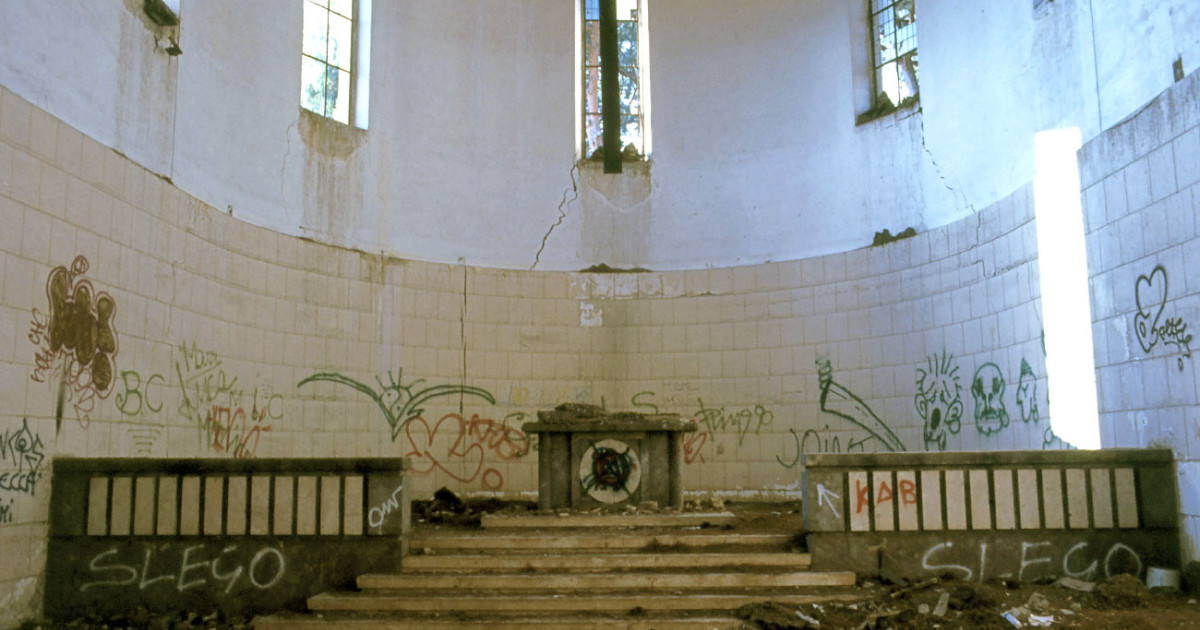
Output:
[[612, 28], [894, 26], [327, 58]]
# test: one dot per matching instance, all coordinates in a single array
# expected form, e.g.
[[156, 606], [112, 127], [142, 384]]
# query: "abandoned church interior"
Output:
[[929, 267]]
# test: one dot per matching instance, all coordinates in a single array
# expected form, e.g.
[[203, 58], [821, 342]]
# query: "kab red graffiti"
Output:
[[884, 493]]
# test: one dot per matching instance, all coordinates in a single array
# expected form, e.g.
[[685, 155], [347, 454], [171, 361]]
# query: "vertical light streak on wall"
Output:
[[1066, 310], [362, 64]]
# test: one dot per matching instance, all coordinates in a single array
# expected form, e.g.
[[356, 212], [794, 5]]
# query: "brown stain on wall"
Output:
[[333, 184]]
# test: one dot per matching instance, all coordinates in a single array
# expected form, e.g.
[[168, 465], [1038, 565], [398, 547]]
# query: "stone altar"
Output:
[[589, 458]]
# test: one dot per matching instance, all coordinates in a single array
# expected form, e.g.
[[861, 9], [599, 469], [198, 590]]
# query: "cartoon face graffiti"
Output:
[[938, 400], [1027, 400], [987, 388]]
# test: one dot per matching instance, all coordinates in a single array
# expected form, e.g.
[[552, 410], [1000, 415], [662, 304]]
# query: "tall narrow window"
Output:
[[894, 25], [327, 61], [614, 111]]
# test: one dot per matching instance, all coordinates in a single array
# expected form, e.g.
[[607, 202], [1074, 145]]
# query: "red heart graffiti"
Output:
[[422, 457]]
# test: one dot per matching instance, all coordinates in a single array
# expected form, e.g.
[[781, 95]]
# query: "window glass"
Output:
[[327, 56]]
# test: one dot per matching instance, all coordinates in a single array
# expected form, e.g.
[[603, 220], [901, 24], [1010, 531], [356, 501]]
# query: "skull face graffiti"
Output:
[[987, 388], [938, 400], [1027, 394]]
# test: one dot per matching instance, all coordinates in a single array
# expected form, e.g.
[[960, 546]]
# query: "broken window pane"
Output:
[[342, 7], [316, 31], [312, 85], [326, 57], [894, 25], [339, 41]]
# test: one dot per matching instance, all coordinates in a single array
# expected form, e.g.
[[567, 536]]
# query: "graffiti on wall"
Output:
[[471, 444], [400, 403], [1150, 293], [138, 396], [1037, 560], [841, 402], [22, 449], [987, 388], [211, 400], [814, 441], [1027, 398], [939, 399], [75, 341], [740, 421], [221, 569]]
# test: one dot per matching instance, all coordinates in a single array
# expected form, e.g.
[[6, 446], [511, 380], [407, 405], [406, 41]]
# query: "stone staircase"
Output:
[[637, 572]]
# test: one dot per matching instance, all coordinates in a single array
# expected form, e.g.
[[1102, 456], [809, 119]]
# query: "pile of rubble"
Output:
[[1118, 602]]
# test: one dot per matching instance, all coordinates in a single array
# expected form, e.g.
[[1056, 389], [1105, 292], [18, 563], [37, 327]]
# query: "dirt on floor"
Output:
[[1119, 603]]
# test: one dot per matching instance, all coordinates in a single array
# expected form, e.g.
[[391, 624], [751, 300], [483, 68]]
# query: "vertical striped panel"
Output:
[[1052, 498], [235, 507], [981, 500], [331, 505], [1127, 504], [859, 501], [260, 505], [1006, 507], [189, 507], [285, 497], [1077, 498], [352, 506], [144, 496], [97, 513], [214, 499], [883, 500], [168, 513], [1102, 510], [306, 506], [122, 506], [906, 500], [931, 499], [1027, 498], [956, 500]]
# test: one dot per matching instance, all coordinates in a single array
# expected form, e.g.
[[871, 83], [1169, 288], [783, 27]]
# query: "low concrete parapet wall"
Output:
[[236, 536], [979, 515]]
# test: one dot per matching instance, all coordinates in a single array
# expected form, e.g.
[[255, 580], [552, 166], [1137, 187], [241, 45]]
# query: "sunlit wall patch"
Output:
[[1066, 308]]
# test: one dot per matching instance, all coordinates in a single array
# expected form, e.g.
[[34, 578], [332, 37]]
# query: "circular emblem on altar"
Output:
[[610, 471]]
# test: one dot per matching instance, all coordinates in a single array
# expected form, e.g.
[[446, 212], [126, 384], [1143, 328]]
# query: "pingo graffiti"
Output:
[[740, 421], [1150, 293], [76, 343], [21, 448], [189, 568]]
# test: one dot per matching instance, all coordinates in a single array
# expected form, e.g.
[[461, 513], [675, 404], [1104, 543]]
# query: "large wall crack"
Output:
[[562, 214]]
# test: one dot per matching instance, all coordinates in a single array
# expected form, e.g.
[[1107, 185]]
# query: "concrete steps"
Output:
[[661, 571], [534, 623], [586, 563]]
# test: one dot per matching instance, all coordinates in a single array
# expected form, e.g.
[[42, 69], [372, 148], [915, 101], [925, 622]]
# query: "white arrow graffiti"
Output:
[[825, 496]]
